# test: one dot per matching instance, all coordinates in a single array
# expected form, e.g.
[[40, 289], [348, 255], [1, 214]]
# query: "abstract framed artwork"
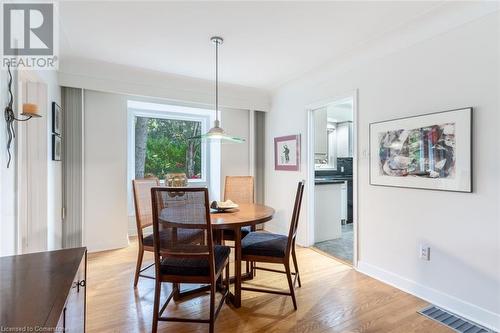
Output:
[[287, 153], [431, 151]]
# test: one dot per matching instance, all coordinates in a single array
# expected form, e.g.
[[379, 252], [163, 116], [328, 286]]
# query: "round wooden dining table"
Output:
[[234, 219]]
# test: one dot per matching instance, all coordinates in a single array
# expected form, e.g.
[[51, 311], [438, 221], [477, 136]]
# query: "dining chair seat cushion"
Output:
[[183, 235], [264, 244], [229, 234], [195, 267]]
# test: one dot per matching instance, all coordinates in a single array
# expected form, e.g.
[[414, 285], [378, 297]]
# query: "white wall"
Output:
[[54, 168], [105, 170], [453, 69], [235, 158]]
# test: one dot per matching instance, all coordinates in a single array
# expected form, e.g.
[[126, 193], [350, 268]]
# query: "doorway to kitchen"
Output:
[[332, 166]]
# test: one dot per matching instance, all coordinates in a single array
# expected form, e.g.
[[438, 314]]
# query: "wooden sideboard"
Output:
[[44, 292]]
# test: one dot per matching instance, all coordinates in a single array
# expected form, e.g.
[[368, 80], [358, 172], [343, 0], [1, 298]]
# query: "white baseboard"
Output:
[[462, 308]]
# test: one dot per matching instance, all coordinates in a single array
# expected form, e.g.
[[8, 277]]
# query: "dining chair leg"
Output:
[[227, 277], [237, 268], [227, 282], [177, 291], [296, 266], [217, 237], [290, 284], [212, 308], [140, 255], [220, 282], [253, 271], [156, 306], [250, 270]]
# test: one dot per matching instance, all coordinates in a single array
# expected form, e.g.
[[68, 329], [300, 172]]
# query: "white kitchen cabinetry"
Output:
[[320, 133], [344, 139], [327, 211]]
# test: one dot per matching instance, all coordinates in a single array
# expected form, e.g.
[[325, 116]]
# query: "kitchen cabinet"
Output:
[[327, 211], [74, 309], [344, 139], [44, 291], [320, 132]]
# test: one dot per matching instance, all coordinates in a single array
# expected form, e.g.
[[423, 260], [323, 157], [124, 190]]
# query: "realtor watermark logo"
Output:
[[29, 35]]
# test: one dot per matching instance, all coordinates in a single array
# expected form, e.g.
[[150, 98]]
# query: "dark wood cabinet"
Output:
[[74, 311], [44, 291]]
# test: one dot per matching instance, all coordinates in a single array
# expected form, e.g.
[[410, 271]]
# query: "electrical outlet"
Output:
[[425, 252]]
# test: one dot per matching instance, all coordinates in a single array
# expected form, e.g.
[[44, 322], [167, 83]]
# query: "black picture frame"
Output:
[[57, 114], [470, 112], [56, 147]]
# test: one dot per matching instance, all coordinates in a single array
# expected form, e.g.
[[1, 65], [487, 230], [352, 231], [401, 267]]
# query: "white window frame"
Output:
[[210, 167]]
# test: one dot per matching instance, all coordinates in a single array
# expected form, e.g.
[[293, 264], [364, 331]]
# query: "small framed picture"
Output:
[[56, 147], [56, 118], [287, 153]]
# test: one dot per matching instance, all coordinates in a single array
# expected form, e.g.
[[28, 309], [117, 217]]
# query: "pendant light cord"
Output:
[[217, 81]]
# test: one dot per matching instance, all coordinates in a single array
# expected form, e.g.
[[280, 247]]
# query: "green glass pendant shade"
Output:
[[216, 133]]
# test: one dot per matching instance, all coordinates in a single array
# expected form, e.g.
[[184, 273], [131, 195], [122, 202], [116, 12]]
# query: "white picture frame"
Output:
[[430, 151]]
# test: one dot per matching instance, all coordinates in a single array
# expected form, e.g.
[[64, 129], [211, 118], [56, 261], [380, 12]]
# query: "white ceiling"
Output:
[[266, 43]]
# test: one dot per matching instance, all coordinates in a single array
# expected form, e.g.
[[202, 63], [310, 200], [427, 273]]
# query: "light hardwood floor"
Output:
[[333, 298]]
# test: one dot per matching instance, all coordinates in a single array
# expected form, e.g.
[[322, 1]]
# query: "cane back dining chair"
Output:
[[240, 190], [144, 219], [179, 260], [278, 249]]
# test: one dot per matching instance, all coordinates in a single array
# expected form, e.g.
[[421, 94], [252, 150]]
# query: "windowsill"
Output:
[[195, 181]]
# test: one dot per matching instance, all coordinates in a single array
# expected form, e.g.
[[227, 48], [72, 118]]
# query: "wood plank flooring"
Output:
[[333, 298]]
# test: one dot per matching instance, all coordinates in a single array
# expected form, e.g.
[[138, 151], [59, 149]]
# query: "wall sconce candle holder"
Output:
[[30, 110]]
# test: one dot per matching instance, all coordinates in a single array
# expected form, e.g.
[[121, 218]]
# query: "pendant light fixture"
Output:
[[216, 132]]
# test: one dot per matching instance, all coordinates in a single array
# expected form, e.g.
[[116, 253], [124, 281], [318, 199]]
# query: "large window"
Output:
[[166, 145], [158, 142], [165, 139]]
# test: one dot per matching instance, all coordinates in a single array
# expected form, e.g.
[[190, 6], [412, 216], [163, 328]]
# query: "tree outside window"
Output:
[[164, 146]]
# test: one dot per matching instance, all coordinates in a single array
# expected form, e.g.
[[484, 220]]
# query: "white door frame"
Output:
[[310, 168]]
